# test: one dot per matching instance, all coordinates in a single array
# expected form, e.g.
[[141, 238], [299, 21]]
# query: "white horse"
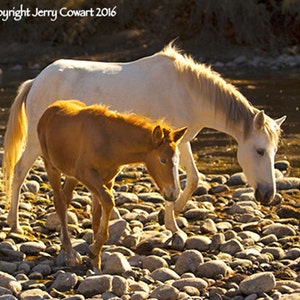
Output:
[[165, 85]]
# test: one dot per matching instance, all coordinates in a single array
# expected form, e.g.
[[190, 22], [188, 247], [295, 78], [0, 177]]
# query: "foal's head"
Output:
[[163, 158]]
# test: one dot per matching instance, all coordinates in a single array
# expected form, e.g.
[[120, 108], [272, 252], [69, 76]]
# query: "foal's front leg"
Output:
[[104, 197], [101, 236]]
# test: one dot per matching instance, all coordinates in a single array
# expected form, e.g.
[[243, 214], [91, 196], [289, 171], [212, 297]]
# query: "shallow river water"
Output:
[[277, 92]]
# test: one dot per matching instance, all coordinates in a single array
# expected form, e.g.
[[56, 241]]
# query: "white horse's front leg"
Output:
[[170, 221], [188, 163], [174, 208]]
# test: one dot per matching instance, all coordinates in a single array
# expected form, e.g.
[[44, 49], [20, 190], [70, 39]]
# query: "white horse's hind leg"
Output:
[[32, 151], [188, 163]]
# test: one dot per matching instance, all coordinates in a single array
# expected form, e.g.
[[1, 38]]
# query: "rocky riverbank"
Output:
[[235, 248]]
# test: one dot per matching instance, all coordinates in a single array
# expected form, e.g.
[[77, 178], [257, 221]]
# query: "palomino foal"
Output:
[[89, 144]]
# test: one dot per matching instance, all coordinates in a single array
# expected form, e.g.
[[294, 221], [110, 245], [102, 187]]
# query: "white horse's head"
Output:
[[256, 153]]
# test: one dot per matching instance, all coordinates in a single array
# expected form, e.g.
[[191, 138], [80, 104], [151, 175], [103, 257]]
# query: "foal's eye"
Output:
[[260, 151], [163, 160]]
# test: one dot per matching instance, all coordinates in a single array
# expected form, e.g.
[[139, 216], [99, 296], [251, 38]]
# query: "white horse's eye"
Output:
[[163, 160], [260, 151]]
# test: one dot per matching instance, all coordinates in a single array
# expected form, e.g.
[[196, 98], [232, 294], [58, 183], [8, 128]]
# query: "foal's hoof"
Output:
[[95, 261], [178, 240], [74, 259]]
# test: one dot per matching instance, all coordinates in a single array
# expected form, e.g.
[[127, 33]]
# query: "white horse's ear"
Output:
[[280, 121], [179, 134], [259, 120]]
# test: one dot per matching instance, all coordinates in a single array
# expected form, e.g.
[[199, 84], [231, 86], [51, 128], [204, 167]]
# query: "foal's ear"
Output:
[[259, 120], [179, 134], [157, 135]]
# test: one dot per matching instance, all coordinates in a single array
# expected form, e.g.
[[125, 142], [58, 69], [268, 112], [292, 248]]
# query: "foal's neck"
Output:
[[134, 144]]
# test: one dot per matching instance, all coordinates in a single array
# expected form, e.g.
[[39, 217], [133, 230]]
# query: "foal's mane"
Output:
[[129, 118], [223, 97]]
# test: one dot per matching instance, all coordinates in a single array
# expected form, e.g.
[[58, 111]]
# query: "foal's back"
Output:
[[67, 132]]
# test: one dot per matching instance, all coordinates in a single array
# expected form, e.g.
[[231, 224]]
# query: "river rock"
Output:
[[287, 211], [34, 294], [11, 255], [32, 186], [208, 226], [153, 262], [188, 261], [221, 188], [32, 248], [292, 253], [65, 281], [282, 165], [288, 183], [116, 264], [196, 213], [164, 274], [95, 285], [200, 243], [151, 239], [280, 230], [198, 283], [42, 268], [277, 252], [9, 282], [237, 179], [151, 197], [116, 229], [8, 267], [53, 223], [268, 239], [165, 292], [213, 269], [258, 283], [139, 286], [231, 247], [119, 286]]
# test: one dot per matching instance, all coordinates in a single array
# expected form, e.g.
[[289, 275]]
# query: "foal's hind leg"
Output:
[[97, 210], [61, 203], [68, 188]]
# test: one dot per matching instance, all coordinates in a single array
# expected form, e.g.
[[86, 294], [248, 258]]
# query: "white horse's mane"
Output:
[[224, 96]]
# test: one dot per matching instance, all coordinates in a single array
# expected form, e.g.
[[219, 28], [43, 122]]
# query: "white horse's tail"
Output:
[[15, 136]]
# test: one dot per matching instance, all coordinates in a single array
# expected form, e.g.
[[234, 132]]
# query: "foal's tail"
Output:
[[15, 136]]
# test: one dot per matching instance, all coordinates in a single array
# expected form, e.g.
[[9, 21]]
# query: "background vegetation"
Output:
[[271, 23]]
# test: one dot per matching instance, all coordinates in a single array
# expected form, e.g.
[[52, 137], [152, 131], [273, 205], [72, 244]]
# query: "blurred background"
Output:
[[207, 28]]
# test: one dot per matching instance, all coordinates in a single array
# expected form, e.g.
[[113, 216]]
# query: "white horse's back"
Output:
[[122, 86]]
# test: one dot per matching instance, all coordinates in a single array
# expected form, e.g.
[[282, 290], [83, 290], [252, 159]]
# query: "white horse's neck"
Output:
[[222, 107]]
